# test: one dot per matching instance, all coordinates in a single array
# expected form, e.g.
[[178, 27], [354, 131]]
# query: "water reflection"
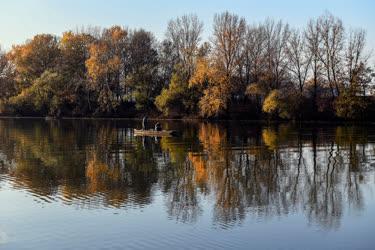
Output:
[[239, 169]]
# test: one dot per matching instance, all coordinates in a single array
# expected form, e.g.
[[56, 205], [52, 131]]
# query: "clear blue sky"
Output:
[[21, 19]]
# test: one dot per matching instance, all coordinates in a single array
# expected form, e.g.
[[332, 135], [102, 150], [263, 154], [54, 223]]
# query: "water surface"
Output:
[[86, 184]]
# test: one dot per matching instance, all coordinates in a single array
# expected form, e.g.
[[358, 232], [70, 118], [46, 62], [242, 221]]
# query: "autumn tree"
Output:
[[260, 70], [183, 35], [74, 49], [33, 58], [46, 95], [351, 102], [218, 71], [178, 96], [283, 104], [105, 67], [271, 70], [30, 61]]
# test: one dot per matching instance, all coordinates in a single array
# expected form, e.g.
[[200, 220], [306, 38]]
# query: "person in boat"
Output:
[[144, 122], [158, 126]]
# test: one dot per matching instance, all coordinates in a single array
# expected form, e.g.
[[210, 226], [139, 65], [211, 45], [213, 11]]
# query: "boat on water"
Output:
[[154, 133]]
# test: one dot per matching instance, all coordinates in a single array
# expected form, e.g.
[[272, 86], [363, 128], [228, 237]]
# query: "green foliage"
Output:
[[46, 94], [171, 96], [178, 96], [142, 69]]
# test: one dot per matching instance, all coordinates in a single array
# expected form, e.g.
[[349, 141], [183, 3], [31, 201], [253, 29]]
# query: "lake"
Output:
[[91, 184]]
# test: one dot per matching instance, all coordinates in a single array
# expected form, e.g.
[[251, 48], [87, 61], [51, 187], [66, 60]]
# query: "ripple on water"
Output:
[[208, 188]]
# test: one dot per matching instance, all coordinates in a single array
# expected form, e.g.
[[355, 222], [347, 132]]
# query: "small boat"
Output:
[[154, 133]]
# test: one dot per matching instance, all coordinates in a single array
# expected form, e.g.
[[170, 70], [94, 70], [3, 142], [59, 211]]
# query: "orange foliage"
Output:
[[199, 165], [97, 172], [218, 87], [34, 57]]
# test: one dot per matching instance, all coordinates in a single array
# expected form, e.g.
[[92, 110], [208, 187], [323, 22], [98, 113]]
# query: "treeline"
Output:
[[265, 70]]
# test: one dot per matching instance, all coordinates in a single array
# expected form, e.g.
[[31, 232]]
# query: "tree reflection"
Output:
[[259, 171], [50, 161]]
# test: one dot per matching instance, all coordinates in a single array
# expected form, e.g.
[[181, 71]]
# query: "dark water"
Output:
[[77, 184]]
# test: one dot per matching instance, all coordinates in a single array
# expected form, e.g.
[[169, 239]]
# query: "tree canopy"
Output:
[[252, 71]]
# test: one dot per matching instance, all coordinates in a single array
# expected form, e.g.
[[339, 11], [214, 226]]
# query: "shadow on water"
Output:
[[242, 169]]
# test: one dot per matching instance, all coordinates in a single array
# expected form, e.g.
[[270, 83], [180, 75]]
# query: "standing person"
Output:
[[144, 122]]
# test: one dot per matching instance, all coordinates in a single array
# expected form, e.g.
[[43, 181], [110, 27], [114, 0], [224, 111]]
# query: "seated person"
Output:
[[157, 127]]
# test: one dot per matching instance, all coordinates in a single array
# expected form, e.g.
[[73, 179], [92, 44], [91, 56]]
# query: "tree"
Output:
[[185, 34], [33, 58], [167, 58], [229, 31], [209, 78], [276, 39], [313, 40], [252, 55], [218, 72], [74, 49], [356, 61], [331, 32], [179, 97], [298, 59], [349, 104], [30, 61], [243, 70], [46, 95], [142, 69], [105, 68], [284, 104]]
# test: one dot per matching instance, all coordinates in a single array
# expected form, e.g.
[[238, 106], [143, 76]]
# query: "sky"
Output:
[[22, 19]]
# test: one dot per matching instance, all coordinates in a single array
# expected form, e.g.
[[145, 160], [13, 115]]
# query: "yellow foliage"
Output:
[[270, 138], [97, 65], [218, 89], [273, 138], [203, 72], [213, 102], [271, 103]]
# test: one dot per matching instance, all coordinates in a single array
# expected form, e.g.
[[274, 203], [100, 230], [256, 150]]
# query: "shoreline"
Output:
[[47, 118]]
